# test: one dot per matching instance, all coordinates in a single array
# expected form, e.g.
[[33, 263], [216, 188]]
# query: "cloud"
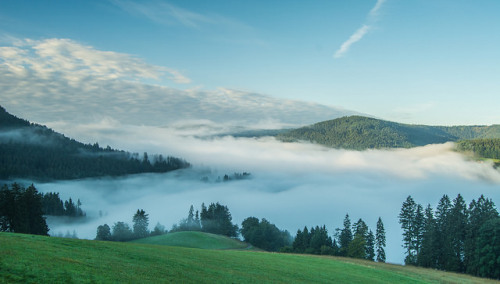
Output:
[[357, 36], [376, 8], [75, 63], [60, 79], [361, 32]]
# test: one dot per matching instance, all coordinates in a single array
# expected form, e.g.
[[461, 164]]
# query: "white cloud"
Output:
[[376, 8], [62, 80], [357, 36], [53, 58], [361, 32]]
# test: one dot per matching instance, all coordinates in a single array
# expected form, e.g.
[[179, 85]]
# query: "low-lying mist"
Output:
[[292, 184]]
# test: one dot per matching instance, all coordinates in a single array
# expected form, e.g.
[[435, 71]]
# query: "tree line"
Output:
[[356, 241], [29, 150], [454, 237], [21, 210], [53, 205], [484, 148]]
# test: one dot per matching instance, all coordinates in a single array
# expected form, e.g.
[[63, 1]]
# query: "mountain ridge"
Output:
[[360, 133], [33, 151]]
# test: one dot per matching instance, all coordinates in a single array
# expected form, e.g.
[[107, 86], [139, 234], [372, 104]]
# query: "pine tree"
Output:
[[480, 212], [380, 241], [345, 236], [141, 223], [370, 246], [443, 238], [457, 233], [427, 255], [407, 221], [489, 249]]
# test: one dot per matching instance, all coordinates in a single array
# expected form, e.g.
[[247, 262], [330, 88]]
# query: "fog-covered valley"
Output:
[[292, 184]]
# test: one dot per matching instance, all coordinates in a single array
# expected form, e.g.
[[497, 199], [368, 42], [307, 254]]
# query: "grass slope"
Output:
[[195, 240], [359, 133], [37, 259]]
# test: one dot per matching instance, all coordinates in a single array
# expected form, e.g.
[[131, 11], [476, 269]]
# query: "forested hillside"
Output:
[[482, 148], [34, 151], [359, 133]]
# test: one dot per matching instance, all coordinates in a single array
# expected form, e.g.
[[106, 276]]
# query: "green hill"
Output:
[[37, 259], [33, 151], [195, 240], [359, 133]]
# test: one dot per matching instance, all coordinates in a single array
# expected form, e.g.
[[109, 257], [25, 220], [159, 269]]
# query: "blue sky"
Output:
[[431, 62]]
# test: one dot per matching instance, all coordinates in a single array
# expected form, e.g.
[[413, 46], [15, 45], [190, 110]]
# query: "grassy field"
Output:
[[37, 259], [195, 240]]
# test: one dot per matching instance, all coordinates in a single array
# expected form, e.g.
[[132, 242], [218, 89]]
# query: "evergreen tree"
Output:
[[121, 232], [141, 223], [158, 230], [103, 233], [457, 234], [443, 246], [345, 236], [407, 221], [480, 212], [427, 254], [380, 240], [357, 247], [489, 249], [370, 246], [21, 210]]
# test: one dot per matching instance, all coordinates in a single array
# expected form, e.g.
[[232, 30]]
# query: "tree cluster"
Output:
[[53, 205], [264, 235], [454, 237], [355, 240], [215, 219], [121, 231], [21, 210]]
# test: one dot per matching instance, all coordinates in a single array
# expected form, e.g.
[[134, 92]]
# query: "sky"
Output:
[[423, 62]]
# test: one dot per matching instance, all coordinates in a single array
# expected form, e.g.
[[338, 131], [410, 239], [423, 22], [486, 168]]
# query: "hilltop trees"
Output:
[[264, 235], [454, 237], [21, 210], [215, 219], [355, 240]]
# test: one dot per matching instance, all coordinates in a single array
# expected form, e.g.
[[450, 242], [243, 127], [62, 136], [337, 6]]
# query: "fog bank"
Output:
[[293, 184]]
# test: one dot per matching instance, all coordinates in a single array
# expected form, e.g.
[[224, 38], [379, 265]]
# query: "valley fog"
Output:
[[292, 184]]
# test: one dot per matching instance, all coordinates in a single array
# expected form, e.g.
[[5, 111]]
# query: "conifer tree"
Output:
[[380, 240], [141, 223], [345, 236], [407, 221], [370, 246]]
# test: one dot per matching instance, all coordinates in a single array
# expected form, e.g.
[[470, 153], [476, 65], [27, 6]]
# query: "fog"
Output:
[[292, 184]]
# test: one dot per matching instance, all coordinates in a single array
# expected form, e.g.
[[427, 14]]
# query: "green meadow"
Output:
[[38, 259]]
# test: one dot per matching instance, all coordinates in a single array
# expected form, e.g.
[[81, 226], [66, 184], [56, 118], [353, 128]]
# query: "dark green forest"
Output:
[[482, 148], [454, 237], [21, 210], [360, 133], [36, 152]]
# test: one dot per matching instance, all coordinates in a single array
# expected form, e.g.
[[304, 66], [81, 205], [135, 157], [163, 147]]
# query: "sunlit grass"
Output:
[[36, 259]]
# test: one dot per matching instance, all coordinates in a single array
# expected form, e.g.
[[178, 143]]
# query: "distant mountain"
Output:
[[359, 133], [33, 151]]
